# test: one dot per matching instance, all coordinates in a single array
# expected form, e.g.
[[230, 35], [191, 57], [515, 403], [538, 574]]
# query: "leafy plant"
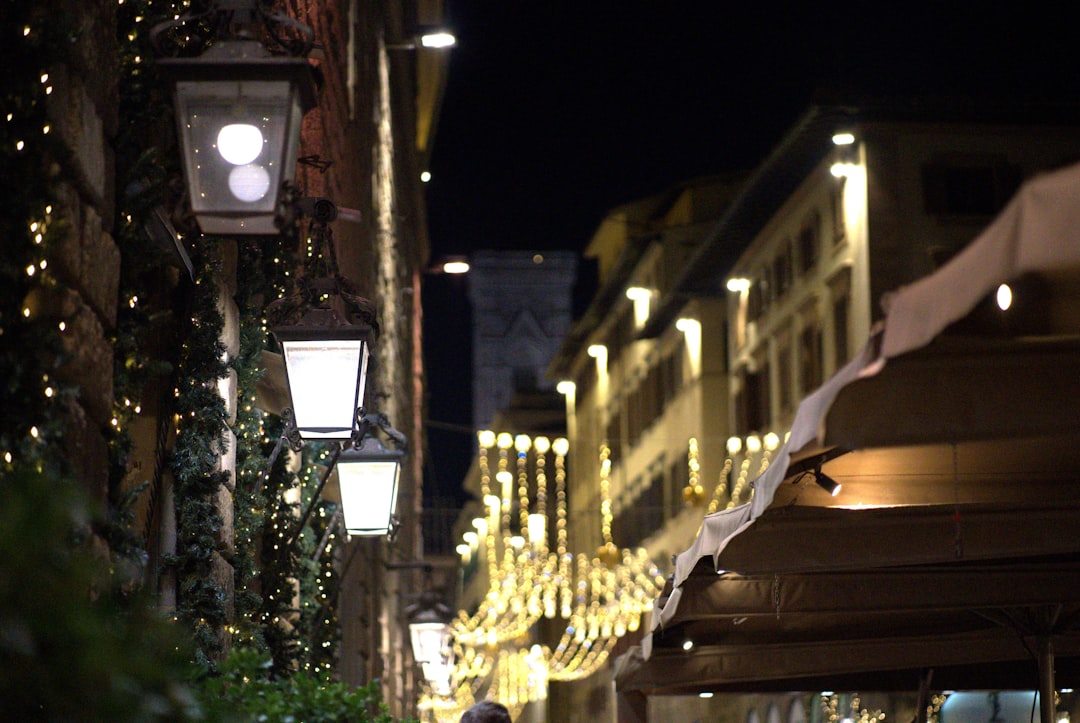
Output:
[[246, 689]]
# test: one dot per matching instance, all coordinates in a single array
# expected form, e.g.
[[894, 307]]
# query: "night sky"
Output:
[[555, 112]]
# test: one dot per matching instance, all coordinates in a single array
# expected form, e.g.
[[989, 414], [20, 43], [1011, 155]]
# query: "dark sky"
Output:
[[557, 111]]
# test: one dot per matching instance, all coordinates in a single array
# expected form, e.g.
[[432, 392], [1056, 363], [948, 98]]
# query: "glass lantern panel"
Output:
[[235, 133], [326, 383], [429, 640], [438, 677], [368, 495]]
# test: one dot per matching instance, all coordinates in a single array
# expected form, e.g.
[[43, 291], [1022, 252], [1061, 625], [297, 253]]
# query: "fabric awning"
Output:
[[953, 452]]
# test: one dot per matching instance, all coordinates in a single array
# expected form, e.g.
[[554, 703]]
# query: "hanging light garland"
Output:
[[600, 597]]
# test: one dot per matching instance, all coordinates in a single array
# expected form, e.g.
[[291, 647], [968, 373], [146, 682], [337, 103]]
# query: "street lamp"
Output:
[[429, 633], [368, 474], [325, 330], [326, 368], [238, 113]]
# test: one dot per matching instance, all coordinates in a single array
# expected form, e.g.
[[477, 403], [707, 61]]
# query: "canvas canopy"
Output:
[[953, 543]]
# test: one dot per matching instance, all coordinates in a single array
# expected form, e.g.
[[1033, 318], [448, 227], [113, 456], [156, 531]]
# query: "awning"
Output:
[[959, 463]]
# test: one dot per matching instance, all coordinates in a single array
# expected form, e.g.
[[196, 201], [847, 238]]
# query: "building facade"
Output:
[[852, 203], [125, 415], [643, 373]]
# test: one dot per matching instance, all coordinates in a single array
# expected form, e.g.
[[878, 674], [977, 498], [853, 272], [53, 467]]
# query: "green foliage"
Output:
[[73, 646], [246, 685]]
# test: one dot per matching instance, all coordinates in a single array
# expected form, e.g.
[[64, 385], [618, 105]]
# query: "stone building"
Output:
[[368, 138]]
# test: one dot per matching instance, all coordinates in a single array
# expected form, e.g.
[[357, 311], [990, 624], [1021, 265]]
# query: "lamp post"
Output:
[[238, 113]]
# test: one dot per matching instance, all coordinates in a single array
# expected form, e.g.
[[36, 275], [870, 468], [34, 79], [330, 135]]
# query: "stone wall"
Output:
[[82, 109]]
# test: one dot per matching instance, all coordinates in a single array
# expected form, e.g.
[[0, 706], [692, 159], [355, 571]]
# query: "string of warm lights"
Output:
[[601, 597]]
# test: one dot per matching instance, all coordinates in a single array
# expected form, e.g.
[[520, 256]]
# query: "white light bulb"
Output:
[[240, 143], [1004, 297], [249, 183]]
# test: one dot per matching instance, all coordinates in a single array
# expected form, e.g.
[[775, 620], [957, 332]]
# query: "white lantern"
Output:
[[238, 113], [368, 476], [326, 367]]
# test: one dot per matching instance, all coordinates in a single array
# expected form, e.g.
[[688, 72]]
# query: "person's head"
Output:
[[486, 711]]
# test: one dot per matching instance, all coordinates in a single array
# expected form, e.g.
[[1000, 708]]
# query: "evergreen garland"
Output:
[[200, 442], [32, 352]]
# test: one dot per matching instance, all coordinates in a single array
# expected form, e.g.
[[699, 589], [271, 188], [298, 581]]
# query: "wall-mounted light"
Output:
[[368, 474], [843, 169], [325, 330], [827, 483], [599, 352], [438, 39], [641, 297], [431, 38], [1004, 297], [326, 366], [238, 112], [691, 330]]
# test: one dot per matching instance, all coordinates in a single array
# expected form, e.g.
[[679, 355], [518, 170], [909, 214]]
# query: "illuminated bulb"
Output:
[[561, 446], [425, 176], [240, 143], [492, 503], [1004, 297], [738, 284], [686, 325], [753, 444], [843, 139], [438, 40], [541, 445], [522, 443], [249, 183], [505, 440], [687, 645], [456, 267], [843, 170], [734, 445], [772, 441]]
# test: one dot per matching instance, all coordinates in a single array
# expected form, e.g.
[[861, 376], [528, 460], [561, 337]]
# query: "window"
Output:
[[752, 400], [755, 300], [643, 516], [613, 436], [785, 396], [782, 271], [808, 243], [677, 479], [840, 291], [836, 201], [811, 365]]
